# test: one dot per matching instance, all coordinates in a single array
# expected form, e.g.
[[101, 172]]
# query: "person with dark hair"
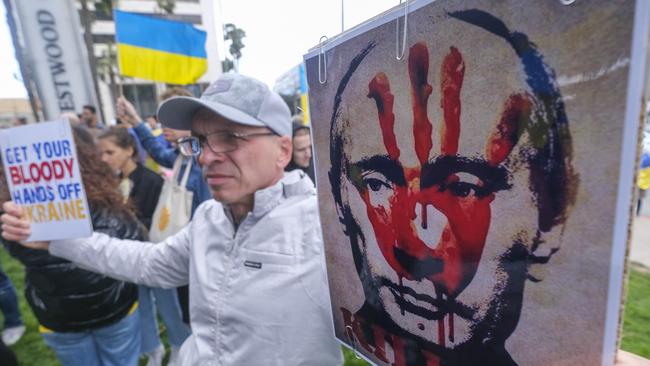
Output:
[[302, 152], [166, 153], [422, 203], [142, 188], [20, 121], [89, 116], [89, 119], [139, 184], [85, 317]]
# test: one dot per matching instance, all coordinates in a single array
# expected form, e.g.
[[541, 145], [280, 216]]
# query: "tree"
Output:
[[87, 18], [104, 7], [235, 36], [166, 6]]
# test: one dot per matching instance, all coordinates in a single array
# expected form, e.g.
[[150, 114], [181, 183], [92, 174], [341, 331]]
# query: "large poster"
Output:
[[475, 193]]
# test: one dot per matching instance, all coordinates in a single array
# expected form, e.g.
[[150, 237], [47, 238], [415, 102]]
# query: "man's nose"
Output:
[[430, 224], [207, 156]]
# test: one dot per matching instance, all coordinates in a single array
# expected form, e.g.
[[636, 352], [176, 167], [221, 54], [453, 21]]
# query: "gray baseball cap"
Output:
[[237, 98]]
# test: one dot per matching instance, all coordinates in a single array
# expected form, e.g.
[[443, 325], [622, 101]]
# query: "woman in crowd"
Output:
[[86, 318], [141, 187]]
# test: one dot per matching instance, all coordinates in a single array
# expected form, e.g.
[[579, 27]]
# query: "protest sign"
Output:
[[42, 171], [475, 185]]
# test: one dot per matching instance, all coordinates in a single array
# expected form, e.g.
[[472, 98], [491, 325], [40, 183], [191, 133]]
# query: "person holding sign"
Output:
[[85, 317], [142, 187], [253, 256], [165, 152]]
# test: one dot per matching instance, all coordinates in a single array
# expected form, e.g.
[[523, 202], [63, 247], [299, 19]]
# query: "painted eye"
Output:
[[375, 184], [462, 189], [380, 189], [375, 181], [463, 185]]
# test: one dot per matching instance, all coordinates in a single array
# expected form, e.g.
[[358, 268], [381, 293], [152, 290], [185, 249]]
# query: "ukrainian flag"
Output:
[[160, 50]]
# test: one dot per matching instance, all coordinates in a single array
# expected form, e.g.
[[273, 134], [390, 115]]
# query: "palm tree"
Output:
[[235, 36], [166, 6]]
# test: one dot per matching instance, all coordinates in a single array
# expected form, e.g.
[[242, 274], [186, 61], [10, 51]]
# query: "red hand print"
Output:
[[450, 264]]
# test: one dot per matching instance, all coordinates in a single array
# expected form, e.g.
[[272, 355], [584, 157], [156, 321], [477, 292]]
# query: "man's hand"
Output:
[[15, 227], [126, 112]]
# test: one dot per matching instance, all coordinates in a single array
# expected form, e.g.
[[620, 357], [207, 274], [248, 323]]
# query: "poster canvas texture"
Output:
[[42, 172], [468, 191]]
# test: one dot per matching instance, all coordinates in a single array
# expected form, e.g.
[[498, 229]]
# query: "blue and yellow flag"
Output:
[[160, 50]]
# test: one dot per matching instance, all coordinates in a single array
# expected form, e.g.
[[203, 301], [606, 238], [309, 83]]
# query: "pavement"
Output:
[[640, 249]]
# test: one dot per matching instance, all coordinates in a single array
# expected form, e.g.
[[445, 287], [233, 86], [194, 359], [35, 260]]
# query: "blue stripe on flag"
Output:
[[159, 34]]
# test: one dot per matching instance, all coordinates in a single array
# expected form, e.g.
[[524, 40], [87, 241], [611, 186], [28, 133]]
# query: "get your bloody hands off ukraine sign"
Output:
[[475, 193], [40, 163]]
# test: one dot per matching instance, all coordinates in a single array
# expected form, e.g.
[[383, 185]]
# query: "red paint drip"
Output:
[[424, 216], [504, 138], [379, 335], [420, 90], [379, 90], [441, 332], [451, 327], [452, 73]]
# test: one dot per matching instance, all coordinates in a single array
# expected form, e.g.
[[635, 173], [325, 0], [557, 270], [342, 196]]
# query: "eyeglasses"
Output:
[[217, 142]]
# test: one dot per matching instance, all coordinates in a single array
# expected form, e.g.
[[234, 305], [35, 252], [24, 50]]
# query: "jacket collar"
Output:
[[293, 184]]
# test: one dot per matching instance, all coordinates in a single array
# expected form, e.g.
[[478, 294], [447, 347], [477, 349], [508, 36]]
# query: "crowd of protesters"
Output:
[[90, 310], [243, 283]]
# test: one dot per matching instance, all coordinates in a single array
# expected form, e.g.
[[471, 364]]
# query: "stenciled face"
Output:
[[235, 176], [437, 188], [113, 155], [302, 150]]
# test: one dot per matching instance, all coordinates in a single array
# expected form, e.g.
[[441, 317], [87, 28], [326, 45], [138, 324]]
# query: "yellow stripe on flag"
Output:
[[146, 63], [304, 104], [644, 179]]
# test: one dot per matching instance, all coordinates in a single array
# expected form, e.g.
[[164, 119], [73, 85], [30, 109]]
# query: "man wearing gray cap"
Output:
[[253, 256]]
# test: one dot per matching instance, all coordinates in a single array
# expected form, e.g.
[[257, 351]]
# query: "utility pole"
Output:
[[86, 22], [342, 16], [25, 70]]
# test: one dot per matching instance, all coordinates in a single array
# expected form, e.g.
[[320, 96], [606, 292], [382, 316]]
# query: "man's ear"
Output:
[[286, 151]]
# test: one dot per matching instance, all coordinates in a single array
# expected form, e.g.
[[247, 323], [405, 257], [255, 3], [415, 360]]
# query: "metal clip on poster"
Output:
[[399, 55], [350, 333], [322, 65], [567, 2]]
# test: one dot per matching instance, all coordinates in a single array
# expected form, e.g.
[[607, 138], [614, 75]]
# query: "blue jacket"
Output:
[[166, 157]]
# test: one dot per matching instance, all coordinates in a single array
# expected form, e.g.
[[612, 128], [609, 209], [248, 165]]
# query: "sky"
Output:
[[12, 85], [278, 34]]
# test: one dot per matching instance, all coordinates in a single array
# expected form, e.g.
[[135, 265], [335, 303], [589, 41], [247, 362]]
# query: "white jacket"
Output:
[[258, 294]]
